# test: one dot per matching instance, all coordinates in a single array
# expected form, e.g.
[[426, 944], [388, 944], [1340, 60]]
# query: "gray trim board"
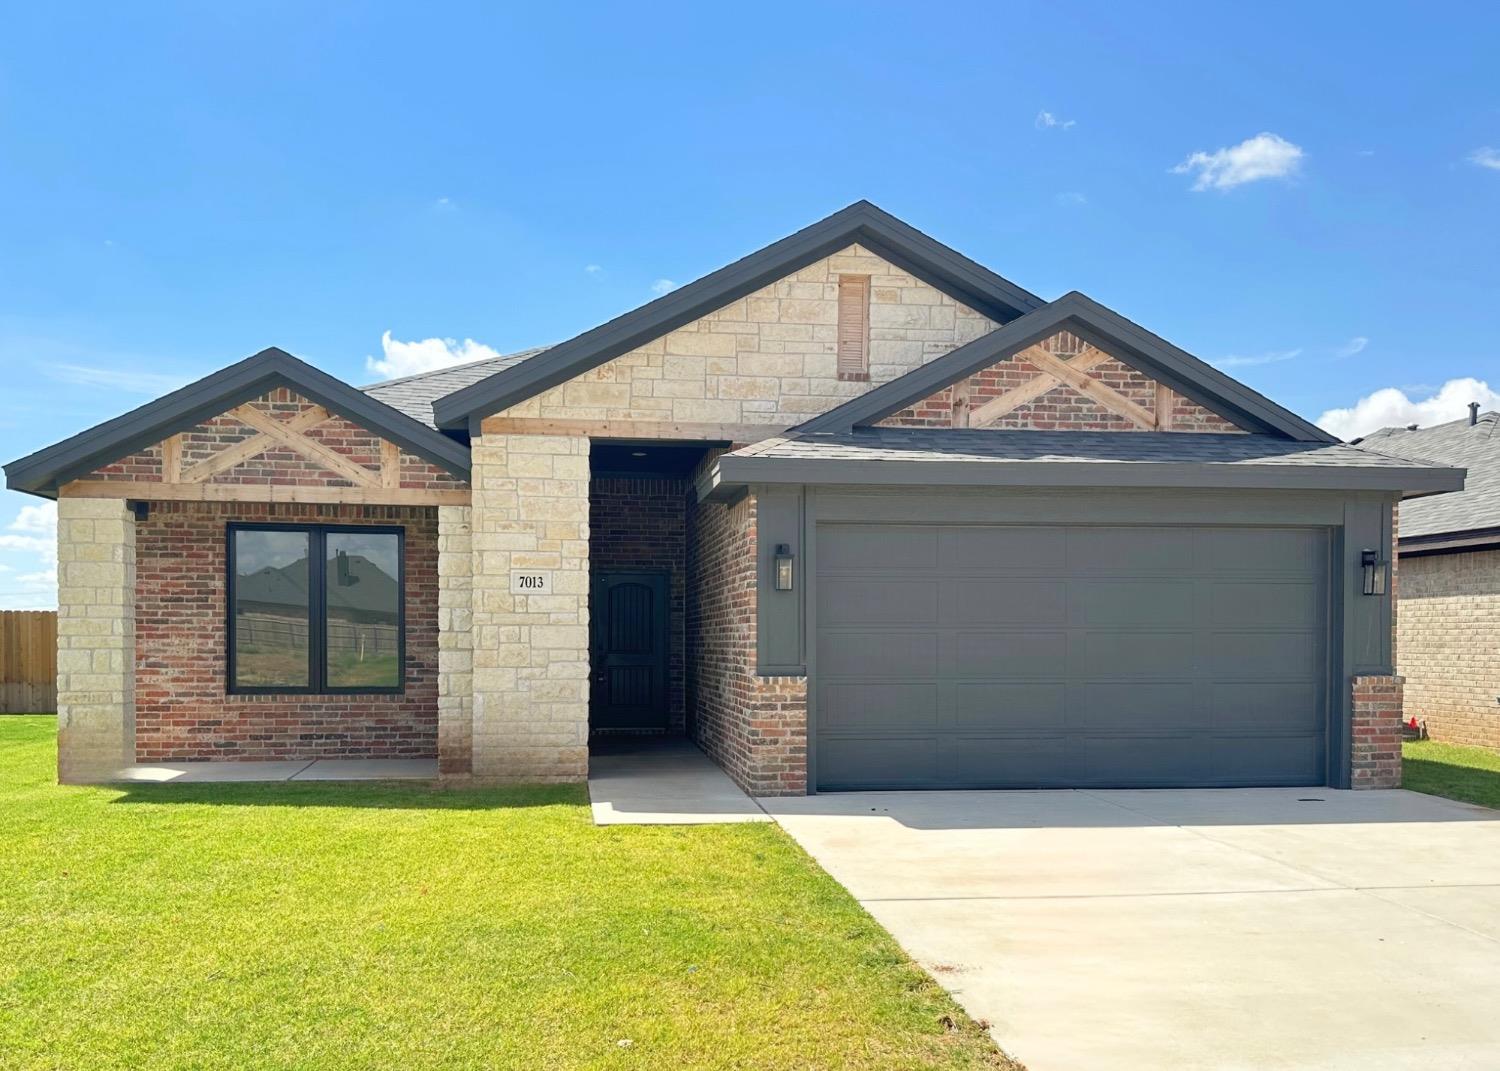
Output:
[[1448, 542], [1099, 326], [731, 472], [43, 472], [945, 269]]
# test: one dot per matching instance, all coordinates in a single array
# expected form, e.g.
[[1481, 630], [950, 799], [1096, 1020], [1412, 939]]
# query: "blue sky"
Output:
[[1307, 198]]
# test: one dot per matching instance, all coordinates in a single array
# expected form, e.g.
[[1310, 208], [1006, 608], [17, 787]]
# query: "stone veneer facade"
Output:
[[768, 358], [530, 656], [1448, 646], [96, 646]]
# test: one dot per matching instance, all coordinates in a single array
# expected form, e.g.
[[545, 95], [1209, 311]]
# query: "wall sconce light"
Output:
[[783, 567], [1375, 572]]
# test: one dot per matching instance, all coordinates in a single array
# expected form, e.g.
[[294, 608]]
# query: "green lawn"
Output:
[[1471, 774], [366, 926]]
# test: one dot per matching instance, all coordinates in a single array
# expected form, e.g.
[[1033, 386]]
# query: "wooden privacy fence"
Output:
[[28, 661]]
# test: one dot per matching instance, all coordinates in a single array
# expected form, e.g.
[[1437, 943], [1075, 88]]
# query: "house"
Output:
[[1448, 633], [853, 511]]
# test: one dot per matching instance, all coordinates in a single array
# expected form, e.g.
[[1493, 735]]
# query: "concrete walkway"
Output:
[[1259, 928], [300, 770], [656, 780]]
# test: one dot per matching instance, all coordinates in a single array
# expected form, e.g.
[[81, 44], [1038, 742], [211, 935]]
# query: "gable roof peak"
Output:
[[862, 223], [44, 471]]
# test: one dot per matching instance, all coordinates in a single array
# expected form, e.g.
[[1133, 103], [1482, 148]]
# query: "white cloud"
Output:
[[131, 382], [1391, 407], [1486, 157], [1045, 120], [425, 355], [663, 286], [1264, 156], [32, 535], [40, 518], [1071, 197], [592, 269], [1355, 345], [1249, 360]]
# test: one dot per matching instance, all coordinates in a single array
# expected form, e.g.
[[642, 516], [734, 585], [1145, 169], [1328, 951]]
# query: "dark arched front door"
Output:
[[628, 651]]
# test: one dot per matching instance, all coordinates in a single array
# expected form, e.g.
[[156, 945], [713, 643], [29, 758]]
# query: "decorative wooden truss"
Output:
[[190, 483], [1064, 360]]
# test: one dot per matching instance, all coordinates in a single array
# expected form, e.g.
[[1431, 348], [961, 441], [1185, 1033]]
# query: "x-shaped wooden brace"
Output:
[[1072, 373]]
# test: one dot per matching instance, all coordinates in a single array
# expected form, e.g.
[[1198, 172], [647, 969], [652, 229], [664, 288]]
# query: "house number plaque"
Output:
[[531, 582]]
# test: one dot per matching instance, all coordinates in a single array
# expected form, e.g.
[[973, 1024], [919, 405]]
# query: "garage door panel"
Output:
[[1160, 551], [888, 601], [877, 547], [1153, 656], [1033, 761], [1136, 653], [1266, 706], [1007, 705], [878, 654], [1109, 603], [1262, 759], [1031, 549], [1259, 550], [1124, 760], [1270, 655], [979, 654], [883, 761], [1004, 601], [879, 706], [1266, 603], [1146, 706]]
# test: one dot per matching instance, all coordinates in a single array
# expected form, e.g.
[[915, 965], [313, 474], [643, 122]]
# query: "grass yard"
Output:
[[390, 926], [1471, 774]]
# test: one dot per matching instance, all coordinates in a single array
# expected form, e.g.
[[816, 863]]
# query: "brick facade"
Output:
[[755, 727], [641, 523], [279, 465], [1061, 408], [182, 709], [1448, 645], [1375, 758]]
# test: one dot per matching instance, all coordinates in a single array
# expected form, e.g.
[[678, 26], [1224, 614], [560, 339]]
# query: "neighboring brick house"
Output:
[[1448, 634], [853, 511]]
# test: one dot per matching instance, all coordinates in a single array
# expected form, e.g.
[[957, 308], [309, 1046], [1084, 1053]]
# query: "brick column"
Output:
[[95, 638], [530, 652], [1375, 758], [455, 650]]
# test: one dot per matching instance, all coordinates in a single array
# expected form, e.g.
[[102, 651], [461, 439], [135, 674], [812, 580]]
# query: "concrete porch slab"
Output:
[[654, 780], [179, 773]]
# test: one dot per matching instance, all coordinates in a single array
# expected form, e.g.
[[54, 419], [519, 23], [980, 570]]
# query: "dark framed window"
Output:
[[316, 609]]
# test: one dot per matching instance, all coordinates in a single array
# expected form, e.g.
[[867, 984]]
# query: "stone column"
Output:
[[531, 658], [455, 658], [95, 638], [1376, 753]]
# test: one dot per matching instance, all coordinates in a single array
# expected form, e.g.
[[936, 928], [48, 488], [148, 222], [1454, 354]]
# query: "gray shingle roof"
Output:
[[1476, 447], [1047, 447], [414, 395]]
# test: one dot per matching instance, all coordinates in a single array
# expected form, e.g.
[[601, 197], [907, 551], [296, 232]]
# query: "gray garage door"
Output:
[[1025, 656]]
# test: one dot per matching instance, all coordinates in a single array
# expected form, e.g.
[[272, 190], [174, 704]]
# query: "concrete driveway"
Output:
[[1252, 928]]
